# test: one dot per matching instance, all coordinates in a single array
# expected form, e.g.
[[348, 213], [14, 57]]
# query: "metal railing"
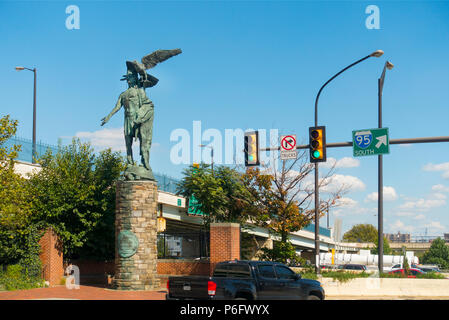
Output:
[[183, 245]]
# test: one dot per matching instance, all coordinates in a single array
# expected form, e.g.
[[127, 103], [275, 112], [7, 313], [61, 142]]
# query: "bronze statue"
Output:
[[139, 112]]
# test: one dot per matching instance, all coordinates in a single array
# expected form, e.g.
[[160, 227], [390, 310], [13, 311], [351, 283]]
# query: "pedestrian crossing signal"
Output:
[[317, 144], [251, 149]]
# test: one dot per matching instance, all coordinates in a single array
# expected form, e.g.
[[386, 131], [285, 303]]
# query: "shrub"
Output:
[[344, 276], [283, 252], [16, 277]]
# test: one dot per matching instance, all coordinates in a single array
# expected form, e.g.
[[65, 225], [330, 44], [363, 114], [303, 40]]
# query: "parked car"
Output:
[[329, 267], [430, 268], [359, 267], [400, 266], [413, 272], [246, 280]]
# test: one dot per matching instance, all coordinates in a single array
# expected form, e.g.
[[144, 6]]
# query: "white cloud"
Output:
[[346, 202], [389, 194], [405, 214], [105, 138], [439, 196], [338, 181], [438, 167], [423, 204], [398, 225], [440, 188], [435, 225], [345, 162], [109, 138], [419, 217]]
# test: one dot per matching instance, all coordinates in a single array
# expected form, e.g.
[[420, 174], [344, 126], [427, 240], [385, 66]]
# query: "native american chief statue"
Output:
[[139, 112]]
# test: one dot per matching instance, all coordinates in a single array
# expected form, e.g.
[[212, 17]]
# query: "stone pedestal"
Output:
[[136, 236]]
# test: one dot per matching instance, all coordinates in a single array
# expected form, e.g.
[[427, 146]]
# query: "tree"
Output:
[[387, 249], [221, 196], [438, 254], [405, 264], [282, 200], [361, 233], [75, 194], [18, 236]]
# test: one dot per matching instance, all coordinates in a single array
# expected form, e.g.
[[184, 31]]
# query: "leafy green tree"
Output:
[[405, 264], [438, 254], [19, 238], [221, 195], [75, 194], [387, 249], [361, 233]]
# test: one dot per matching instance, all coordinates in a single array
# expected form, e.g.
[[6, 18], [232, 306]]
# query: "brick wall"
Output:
[[182, 267], [224, 243], [51, 258]]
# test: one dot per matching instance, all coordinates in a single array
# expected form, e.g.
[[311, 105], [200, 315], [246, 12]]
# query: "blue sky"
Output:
[[255, 64]]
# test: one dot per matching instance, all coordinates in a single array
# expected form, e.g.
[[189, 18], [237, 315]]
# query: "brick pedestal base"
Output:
[[51, 258], [135, 227], [224, 243]]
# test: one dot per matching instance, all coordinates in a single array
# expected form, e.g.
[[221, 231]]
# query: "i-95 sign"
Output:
[[370, 142]]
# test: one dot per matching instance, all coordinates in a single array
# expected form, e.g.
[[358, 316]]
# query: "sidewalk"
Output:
[[83, 293]]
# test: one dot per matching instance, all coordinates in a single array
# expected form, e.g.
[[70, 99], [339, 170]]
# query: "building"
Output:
[[399, 237]]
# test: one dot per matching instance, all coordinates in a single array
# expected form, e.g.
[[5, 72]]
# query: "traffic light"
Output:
[[317, 144], [252, 149]]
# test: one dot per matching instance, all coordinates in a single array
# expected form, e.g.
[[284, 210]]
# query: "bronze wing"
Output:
[[148, 62], [152, 59]]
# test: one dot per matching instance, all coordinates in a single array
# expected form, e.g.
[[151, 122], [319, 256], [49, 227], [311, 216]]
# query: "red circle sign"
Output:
[[288, 143]]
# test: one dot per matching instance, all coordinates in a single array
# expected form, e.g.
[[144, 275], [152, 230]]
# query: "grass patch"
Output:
[[429, 275], [337, 275]]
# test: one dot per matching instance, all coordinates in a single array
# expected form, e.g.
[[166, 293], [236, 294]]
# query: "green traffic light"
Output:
[[316, 154], [251, 158]]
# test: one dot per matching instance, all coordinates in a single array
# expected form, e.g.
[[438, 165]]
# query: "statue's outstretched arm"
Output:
[[117, 107]]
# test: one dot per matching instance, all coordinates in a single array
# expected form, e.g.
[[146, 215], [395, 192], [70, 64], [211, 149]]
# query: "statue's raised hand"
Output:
[[104, 120]]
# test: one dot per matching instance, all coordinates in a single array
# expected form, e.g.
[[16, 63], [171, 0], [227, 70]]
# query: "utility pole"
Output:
[[33, 154]]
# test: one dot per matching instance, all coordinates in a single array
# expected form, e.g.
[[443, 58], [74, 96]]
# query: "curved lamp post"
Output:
[[375, 54], [33, 155]]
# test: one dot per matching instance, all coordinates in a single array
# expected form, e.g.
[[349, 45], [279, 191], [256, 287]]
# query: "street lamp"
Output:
[[33, 155], [211, 155], [375, 54], [380, 244]]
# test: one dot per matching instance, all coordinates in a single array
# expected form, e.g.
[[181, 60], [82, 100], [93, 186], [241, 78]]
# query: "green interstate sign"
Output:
[[194, 207], [370, 142]]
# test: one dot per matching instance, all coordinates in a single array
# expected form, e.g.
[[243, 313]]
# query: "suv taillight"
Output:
[[168, 286], [211, 288]]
